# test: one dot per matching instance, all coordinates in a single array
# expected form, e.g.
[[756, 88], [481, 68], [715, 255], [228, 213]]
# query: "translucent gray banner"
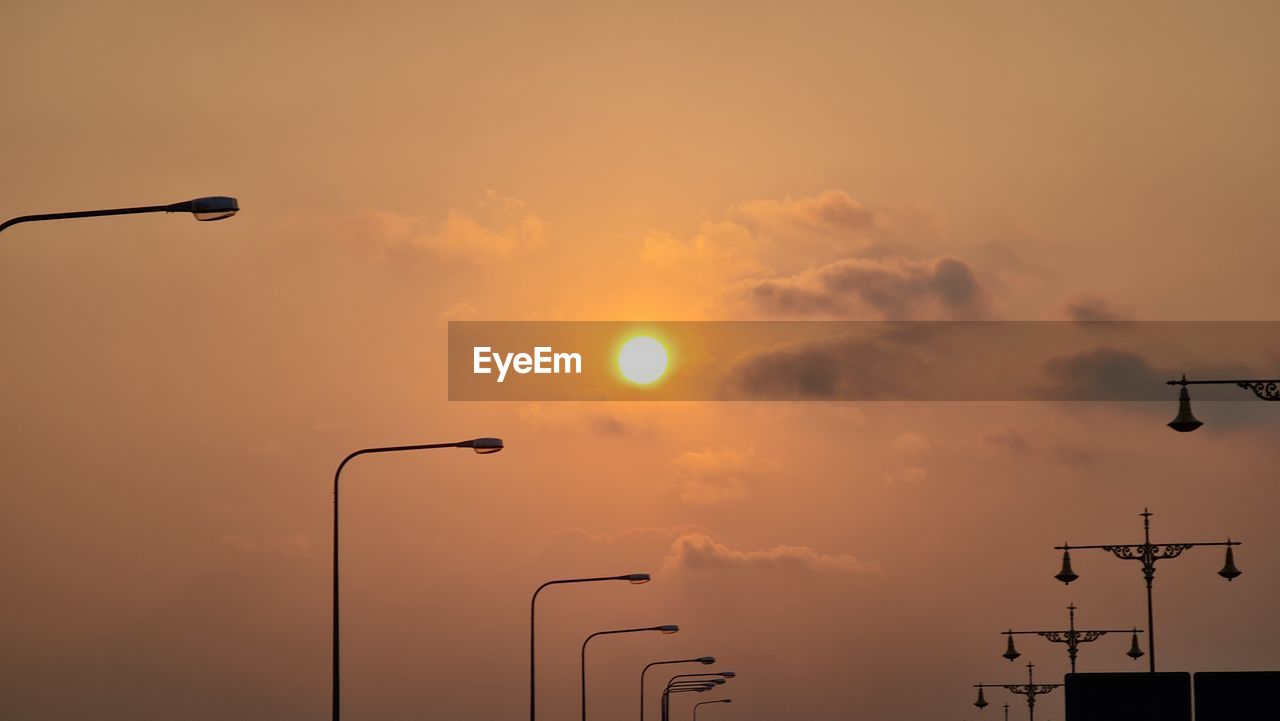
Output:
[[856, 360]]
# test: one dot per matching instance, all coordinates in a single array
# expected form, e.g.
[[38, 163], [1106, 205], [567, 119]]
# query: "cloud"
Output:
[[832, 211], [495, 228], [458, 311], [892, 288], [697, 552], [1100, 374], [724, 248], [612, 420], [1088, 307], [714, 475], [911, 443], [882, 367]]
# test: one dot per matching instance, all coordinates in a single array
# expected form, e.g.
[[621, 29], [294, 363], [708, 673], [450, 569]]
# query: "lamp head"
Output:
[[636, 578], [668, 629], [1229, 570], [706, 660], [214, 207], [1184, 422], [483, 446], [729, 674], [1066, 575]]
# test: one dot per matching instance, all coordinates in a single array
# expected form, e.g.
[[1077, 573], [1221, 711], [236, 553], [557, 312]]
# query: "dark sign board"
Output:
[[1129, 696], [1237, 696]]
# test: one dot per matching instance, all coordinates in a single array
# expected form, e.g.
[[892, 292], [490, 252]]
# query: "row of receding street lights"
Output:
[[220, 207]]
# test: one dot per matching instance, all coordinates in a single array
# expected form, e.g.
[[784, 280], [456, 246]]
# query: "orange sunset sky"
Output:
[[178, 394]]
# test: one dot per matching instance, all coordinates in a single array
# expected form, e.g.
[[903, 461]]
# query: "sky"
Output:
[[180, 393]]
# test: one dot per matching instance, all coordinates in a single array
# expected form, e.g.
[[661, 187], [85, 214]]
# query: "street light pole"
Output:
[[704, 660], [634, 579], [209, 208], [666, 629], [1268, 389], [704, 703], [1072, 637], [1148, 554], [1030, 689], [482, 446]]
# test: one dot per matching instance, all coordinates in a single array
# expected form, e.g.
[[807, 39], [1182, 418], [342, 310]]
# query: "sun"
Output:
[[642, 360]]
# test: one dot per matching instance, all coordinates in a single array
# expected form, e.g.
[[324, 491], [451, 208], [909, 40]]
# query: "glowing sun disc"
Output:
[[642, 360]]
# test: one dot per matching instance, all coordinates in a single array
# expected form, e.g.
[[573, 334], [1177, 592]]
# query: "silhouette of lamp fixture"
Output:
[[214, 207], [1148, 553], [482, 446], [1030, 690], [1073, 637], [666, 630], [1184, 422]]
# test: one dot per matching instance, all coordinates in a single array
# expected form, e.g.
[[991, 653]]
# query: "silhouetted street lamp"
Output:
[[1030, 689], [704, 703], [634, 579], [482, 446], [704, 660], [1147, 554], [1072, 637], [667, 629], [1184, 422], [214, 207]]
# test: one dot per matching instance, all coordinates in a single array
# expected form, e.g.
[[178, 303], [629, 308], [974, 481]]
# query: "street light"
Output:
[[483, 446], [666, 630], [1030, 689], [1184, 422], [704, 703], [1072, 637], [214, 207], [1147, 554], [634, 579], [704, 660]]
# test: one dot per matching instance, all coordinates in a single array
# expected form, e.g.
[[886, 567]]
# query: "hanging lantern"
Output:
[[982, 701], [1066, 575], [1135, 651], [1011, 653], [1229, 570], [1184, 422]]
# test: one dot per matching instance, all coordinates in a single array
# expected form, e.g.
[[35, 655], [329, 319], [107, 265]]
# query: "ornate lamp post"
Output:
[[1030, 689], [1147, 554], [1073, 637], [1184, 422]]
